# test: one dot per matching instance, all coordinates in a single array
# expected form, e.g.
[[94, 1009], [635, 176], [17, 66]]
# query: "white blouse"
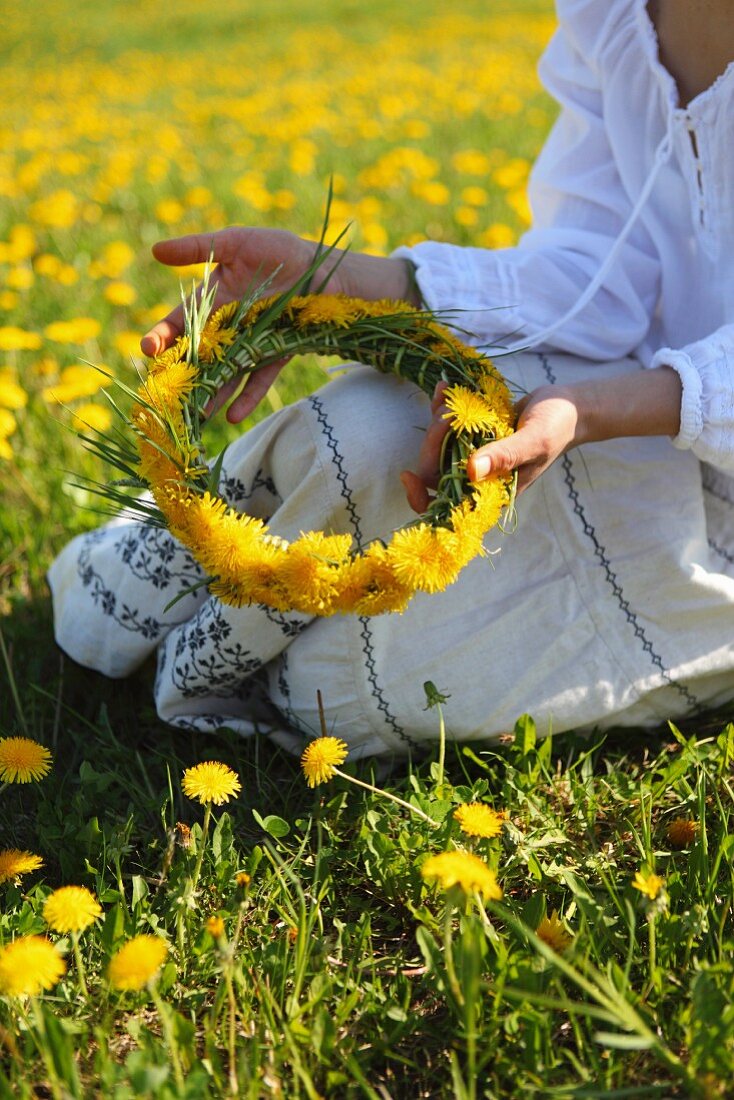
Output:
[[631, 251]]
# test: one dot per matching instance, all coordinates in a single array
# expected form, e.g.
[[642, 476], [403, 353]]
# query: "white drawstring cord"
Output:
[[662, 155]]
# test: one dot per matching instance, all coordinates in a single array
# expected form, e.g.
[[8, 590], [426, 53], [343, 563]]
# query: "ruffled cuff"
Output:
[[691, 414], [706, 371], [472, 288]]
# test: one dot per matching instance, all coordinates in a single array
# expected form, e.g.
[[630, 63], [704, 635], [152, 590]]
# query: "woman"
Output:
[[613, 603]]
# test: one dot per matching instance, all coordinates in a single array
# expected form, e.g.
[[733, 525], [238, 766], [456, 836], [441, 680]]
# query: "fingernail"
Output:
[[481, 467]]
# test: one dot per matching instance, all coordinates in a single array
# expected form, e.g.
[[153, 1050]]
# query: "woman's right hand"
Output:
[[245, 257]]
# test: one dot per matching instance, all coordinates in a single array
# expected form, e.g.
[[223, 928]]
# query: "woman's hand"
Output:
[[546, 427], [245, 257], [551, 421]]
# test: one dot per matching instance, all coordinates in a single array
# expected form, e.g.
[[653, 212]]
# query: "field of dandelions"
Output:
[[201, 917]]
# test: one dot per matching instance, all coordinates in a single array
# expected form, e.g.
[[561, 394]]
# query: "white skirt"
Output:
[[611, 603]]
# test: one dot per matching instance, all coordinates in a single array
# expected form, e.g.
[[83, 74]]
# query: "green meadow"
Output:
[[299, 942]]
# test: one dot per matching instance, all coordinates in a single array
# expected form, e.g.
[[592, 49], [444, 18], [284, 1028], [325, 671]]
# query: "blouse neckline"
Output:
[[652, 50]]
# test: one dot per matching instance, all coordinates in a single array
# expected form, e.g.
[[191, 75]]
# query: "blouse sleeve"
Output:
[[579, 206], [706, 370]]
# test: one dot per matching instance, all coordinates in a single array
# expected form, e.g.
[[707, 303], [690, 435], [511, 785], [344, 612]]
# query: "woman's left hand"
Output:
[[548, 425], [553, 419]]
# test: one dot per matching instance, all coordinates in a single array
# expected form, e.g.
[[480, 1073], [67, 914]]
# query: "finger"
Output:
[[415, 491], [437, 399], [180, 252], [197, 248], [256, 387], [162, 335], [222, 396], [500, 457], [430, 452]]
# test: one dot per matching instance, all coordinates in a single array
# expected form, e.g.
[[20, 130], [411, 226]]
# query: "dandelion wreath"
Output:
[[318, 573]]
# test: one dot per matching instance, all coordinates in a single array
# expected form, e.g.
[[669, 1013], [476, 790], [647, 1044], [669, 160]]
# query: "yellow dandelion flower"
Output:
[[23, 242], [224, 314], [76, 331], [127, 343], [6, 430], [552, 931], [321, 757], [495, 390], [370, 586], [190, 517], [257, 575], [478, 819], [682, 831], [215, 338], [67, 275], [199, 196], [120, 293], [71, 909], [7, 427], [215, 927], [309, 572], [258, 580], [164, 389], [47, 264], [384, 307], [231, 544], [14, 863], [176, 503], [648, 884], [159, 469], [257, 309], [175, 354], [490, 497], [444, 343], [210, 782], [19, 278], [89, 415], [116, 257], [425, 557], [449, 348], [468, 411], [243, 880], [137, 962], [319, 309], [28, 966], [462, 869], [75, 382], [12, 395], [13, 338], [156, 433], [169, 211], [469, 530], [23, 760]]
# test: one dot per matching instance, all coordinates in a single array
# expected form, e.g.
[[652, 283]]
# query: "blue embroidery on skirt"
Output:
[[611, 577], [368, 648]]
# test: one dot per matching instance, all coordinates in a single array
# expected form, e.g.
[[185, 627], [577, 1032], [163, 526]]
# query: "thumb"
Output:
[[500, 457]]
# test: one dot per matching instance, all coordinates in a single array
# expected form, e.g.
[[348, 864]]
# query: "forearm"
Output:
[[554, 419], [376, 277], [645, 403]]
